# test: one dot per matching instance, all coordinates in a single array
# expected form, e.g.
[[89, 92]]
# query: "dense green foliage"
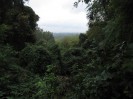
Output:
[[96, 65], [13, 16]]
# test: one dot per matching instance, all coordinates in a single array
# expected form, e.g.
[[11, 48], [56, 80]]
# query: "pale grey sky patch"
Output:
[[60, 15]]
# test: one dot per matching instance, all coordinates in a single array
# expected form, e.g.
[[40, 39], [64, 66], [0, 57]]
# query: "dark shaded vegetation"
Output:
[[96, 65]]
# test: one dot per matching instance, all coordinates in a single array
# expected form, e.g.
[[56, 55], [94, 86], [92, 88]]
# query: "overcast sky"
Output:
[[60, 15]]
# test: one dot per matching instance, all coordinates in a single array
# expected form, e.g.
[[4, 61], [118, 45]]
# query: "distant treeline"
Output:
[[63, 35]]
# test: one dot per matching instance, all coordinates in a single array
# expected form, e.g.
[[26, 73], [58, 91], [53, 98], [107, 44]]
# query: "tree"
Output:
[[35, 59], [21, 21], [44, 35], [116, 14]]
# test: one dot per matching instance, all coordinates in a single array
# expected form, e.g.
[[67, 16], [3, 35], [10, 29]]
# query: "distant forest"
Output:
[[37, 64], [63, 35]]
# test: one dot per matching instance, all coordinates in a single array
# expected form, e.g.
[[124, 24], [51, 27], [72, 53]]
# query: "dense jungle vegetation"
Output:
[[99, 65]]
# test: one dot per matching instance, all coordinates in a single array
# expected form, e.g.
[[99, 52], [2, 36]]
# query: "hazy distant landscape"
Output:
[[63, 34], [66, 40]]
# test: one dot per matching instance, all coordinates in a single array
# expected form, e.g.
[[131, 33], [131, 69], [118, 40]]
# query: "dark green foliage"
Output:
[[41, 35], [35, 59], [72, 58], [46, 40], [12, 76], [104, 73], [20, 21], [3, 28], [82, 38], [18, 36]]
